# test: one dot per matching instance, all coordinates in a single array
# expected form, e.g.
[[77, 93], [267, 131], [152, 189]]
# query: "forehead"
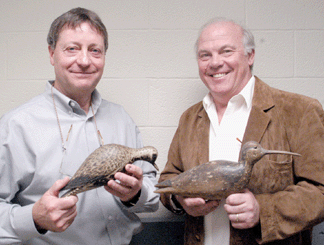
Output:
[[225, 33], [80, 31]]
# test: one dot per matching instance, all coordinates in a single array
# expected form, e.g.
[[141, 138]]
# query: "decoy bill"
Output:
[[218, 179], [101, 165]]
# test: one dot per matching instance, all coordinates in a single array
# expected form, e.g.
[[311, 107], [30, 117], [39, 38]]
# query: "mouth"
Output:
[[217, 75], [82, 73]]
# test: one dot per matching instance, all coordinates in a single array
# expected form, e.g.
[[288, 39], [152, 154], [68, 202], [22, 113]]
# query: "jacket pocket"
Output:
[[271, 176]]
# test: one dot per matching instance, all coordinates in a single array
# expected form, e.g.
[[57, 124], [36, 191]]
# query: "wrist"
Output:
[[133, 201], [40, 229], [176, 206]]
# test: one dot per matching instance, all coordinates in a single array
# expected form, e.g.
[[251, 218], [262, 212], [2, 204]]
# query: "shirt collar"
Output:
[[68, 105], [246, 93]]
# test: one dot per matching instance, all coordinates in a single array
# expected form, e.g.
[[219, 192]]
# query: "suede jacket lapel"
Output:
[[259, 118]]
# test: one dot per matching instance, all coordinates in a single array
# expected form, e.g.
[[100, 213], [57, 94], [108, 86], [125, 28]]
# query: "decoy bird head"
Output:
[[154, 155], [253, 152]]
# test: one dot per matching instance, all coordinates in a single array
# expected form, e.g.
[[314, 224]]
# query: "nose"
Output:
[[216, 61], [84, 58]]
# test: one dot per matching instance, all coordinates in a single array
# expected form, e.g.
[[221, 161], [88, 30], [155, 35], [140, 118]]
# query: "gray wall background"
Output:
[[150, 66]]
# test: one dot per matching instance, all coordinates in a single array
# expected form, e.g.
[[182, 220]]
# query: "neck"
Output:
[[84, 103], [221, 100], [83, 98], [220, 105], [220, 112]]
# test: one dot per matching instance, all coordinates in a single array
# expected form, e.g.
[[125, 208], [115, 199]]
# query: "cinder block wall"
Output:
[[150, 66]]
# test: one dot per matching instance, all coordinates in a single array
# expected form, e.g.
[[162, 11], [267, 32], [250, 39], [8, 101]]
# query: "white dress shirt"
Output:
[[223, 145]]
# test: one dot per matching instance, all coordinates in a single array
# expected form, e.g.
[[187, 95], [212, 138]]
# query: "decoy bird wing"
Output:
[[209, 179], [84, 180], [208, 170], [92, 172]]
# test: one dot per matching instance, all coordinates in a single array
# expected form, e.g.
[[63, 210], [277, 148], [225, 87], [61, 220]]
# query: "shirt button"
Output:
[[72, 104]]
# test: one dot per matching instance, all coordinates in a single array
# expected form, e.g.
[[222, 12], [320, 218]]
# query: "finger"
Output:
[[192, 202], [70, 213], [235, 199], [129, 181], [236, 218], [65, 221], [117, 189], [134, 170], [204, 209], [125, 180], [236, 209], [54, 190], [125, 186]]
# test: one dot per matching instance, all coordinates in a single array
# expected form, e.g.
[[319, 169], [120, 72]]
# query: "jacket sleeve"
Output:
[[301, 205], [189, 148], [172, 168], [148, 200]]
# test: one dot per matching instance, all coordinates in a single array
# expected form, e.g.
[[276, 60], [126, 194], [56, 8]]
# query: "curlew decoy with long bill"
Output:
[[101, 165], [218, 179]]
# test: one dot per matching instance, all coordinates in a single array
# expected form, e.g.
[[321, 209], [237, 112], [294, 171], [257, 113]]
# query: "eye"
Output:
[[203, 56], [71, 49], [97, 52], [227, 52]]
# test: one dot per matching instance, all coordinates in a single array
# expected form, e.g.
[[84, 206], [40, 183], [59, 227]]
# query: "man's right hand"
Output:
[[53, 213], [197, 206]]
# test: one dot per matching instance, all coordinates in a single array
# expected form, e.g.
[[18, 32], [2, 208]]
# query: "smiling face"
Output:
[[223, 65], [78, 60]]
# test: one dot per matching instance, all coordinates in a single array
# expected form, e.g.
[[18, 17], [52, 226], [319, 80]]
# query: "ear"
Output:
[[251, 58], [51, 53]]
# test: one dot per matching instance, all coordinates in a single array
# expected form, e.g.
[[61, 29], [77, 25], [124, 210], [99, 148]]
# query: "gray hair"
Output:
[[72, 19], [248, 38]]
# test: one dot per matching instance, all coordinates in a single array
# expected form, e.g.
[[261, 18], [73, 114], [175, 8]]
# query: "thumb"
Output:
[[246, 190], [57, 186]]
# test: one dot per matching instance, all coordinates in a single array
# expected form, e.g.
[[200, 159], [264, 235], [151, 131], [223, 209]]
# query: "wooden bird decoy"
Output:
[[218, 179], [101, 165]]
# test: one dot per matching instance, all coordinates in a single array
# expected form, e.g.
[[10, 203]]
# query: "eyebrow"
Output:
[[221, 48], [227, 46]]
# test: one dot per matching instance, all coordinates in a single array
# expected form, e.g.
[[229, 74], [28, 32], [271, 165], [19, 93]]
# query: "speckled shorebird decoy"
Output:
[[216, 180], [101, 165]]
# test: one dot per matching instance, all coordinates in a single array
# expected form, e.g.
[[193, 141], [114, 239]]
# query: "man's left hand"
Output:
[[126, 185], [243, 210]]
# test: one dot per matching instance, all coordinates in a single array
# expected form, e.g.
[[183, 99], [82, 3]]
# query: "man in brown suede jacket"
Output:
[[284, 198]]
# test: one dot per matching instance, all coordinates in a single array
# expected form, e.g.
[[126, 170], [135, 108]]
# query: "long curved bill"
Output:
[[280, 152]]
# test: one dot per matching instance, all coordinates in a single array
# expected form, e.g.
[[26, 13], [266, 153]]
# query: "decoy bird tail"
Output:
[[71, 192], [163, 184], [167, 190], [164, 187]]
